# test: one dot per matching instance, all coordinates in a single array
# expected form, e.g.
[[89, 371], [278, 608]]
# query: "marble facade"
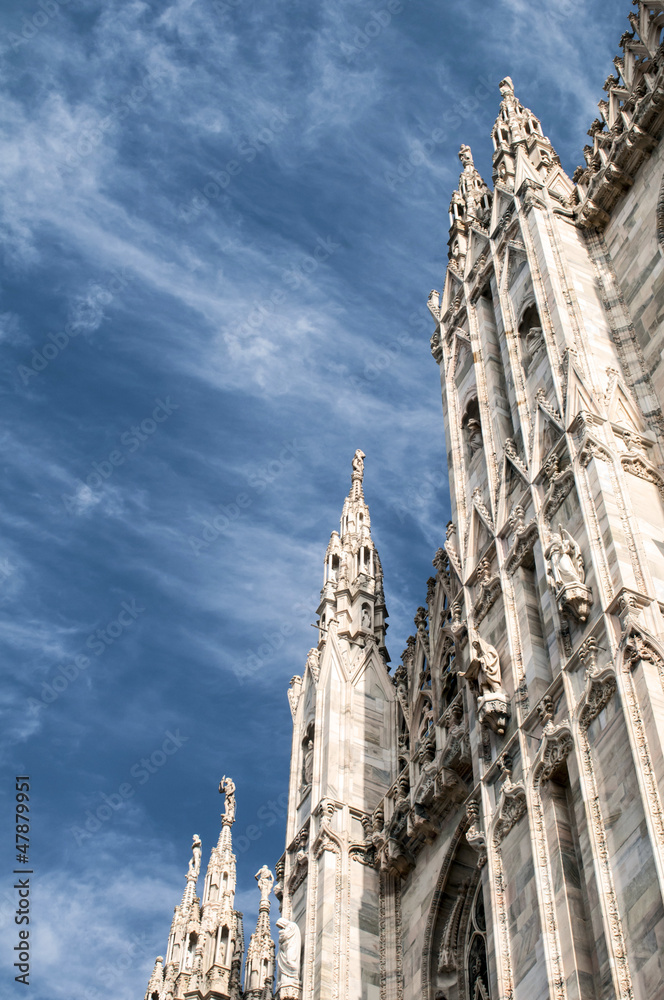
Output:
[[484, 820]]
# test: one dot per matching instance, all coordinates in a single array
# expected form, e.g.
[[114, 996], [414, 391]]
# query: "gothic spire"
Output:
[[206, 942], [259, 968], [193, 871], [517, 127], [352, 597], [470, 205], [156, 983]]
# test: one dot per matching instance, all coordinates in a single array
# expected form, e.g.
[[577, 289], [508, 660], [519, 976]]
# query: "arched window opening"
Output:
[[191, 951], [308, 756], [531, 337], [472, 427], [222, 946], [476, 966]]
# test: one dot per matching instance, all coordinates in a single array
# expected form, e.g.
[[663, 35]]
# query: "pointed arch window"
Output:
[[476, 966], [191, 951], [222, 945]]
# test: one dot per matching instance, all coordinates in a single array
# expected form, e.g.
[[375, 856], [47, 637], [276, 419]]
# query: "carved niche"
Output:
[[566, 574]]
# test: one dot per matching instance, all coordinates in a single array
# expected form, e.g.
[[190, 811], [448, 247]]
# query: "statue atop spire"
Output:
[[227, 788], [356, 491], [195, 861], [259, 967], [265, 880]]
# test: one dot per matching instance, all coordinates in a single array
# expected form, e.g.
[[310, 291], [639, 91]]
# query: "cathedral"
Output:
[[483, 820]]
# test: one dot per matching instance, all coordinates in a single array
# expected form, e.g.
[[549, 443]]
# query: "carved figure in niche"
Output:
[[566, 574], [366, 618], [474, 434], [288, 961], [484, 668], [195, 861], [565, 562], [308, 758], [532, 337], [227, 788], [534, 341]]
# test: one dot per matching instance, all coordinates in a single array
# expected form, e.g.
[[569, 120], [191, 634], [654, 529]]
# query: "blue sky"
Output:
[[216, 254]]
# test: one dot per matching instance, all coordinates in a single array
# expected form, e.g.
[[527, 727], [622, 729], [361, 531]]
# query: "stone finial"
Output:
[[472, 199], [156, 983]]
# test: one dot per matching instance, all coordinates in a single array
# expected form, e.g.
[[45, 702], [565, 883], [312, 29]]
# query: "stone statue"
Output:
[[566, 574], [474, 432], [265, 880], [534, 342], [288, 961], [565, 562], [308, 763], [366, 619], [227, 788], [195, 862], [358, 463], [313, 662], [484, 668]]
